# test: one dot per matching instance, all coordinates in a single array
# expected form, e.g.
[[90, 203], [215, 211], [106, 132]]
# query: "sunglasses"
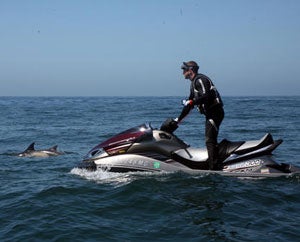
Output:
[[185, 67]]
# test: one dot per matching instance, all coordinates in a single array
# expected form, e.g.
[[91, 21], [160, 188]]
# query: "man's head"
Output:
[[190, 69]]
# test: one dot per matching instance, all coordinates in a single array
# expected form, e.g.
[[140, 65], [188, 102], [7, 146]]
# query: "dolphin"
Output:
[[31, 152]]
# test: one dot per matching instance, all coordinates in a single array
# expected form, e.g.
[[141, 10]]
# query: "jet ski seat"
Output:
[[250, 146], [227, 147], [196, 158]]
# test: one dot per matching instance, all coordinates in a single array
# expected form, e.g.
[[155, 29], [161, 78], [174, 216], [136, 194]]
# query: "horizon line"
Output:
[[141, 96]]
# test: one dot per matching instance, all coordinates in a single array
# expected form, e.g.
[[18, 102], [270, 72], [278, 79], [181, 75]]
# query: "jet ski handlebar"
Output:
[[169, 125]]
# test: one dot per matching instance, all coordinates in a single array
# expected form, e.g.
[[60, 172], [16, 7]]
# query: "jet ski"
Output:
[[146, 149]]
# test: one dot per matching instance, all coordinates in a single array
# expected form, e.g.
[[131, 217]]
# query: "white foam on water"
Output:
[[115, 178]]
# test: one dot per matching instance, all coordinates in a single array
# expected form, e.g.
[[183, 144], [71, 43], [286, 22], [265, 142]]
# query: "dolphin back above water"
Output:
[[31, 152]]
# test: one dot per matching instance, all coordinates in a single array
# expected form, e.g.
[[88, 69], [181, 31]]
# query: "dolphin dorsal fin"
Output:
[[54, 148], [30, 147]]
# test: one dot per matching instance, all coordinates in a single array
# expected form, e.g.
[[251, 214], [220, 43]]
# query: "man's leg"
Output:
[[212, 125], [211, 134]]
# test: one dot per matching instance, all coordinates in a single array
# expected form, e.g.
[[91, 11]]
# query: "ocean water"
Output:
[[49, 199]]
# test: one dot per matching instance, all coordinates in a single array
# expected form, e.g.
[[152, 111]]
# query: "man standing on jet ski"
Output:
[[205, 96]]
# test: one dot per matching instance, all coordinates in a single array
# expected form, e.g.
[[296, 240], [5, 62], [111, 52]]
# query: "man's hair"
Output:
[[192, 65]]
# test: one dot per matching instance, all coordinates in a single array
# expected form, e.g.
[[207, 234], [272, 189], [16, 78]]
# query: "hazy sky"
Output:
[[136, 48]]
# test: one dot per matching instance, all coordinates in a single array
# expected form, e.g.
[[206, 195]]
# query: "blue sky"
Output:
[[136, 48]]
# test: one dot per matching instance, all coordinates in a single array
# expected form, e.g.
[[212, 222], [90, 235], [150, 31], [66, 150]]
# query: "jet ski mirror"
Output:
[[169, 126]]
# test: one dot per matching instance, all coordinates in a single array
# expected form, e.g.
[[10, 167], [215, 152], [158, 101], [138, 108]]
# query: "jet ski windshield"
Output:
[[121, 142]]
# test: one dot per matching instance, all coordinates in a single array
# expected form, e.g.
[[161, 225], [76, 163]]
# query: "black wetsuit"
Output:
[[208, 100]]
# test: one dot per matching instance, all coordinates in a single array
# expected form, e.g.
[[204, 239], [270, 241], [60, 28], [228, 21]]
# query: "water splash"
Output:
[[115, 178]]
